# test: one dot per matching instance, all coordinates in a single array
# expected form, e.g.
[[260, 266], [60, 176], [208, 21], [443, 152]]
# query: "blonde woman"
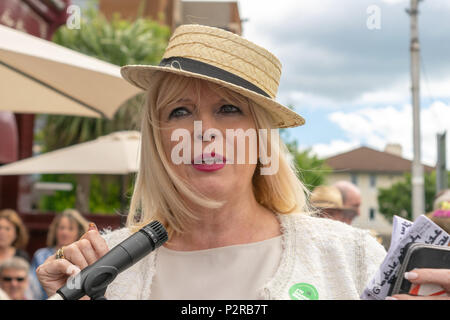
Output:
[[236, 231], [65, 229]]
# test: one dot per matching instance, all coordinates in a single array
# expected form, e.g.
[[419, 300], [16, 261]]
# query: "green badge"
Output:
[[303, 291]]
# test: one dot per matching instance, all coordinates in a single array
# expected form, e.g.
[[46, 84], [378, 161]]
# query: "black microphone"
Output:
[[94, 279]]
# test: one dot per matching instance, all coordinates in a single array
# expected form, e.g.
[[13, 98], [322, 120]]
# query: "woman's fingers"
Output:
[[57, 268], [73, 254], [408, 297], [439, 278], [97, 242], [436, 276], [88, 252], [53, 274]]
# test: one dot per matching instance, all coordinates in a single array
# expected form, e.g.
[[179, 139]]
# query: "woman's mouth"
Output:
[[209, 162]]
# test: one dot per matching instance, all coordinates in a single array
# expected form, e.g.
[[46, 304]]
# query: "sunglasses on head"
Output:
[[10, 279]]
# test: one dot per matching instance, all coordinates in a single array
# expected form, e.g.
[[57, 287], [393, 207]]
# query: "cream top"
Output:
[[336, 259], [232, 272]]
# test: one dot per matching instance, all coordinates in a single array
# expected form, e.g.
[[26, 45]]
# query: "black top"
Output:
[[22, 254]]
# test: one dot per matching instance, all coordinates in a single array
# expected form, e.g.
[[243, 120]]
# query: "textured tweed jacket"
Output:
[[321, 259]]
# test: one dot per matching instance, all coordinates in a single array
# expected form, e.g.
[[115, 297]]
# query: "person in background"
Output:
[[13, 236], [328, 200], [65, 229], [441, 210], [14, 278], [351, 196]]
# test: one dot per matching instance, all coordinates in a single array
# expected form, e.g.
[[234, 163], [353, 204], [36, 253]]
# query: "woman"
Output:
[[13, 236], [236, 231], [65, 229]]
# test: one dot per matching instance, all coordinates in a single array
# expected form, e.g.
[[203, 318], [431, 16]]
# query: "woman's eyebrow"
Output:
[[188, 100], [184, 100]]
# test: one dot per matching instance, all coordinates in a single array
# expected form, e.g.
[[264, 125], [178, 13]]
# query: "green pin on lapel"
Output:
[[303, 291]]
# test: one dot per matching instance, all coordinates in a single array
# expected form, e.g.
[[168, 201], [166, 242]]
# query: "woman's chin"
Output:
[[211, 186]]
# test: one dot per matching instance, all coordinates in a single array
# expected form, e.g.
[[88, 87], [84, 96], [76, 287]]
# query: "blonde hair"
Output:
[[157, 189], [22, 237], [74, 216]]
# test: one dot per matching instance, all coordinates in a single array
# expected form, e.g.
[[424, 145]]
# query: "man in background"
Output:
[[14, 278], [328, 200], [351, 199]]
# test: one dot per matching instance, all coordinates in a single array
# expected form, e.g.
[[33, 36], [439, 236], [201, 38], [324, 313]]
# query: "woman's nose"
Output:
[[205, 128], [206, 136]]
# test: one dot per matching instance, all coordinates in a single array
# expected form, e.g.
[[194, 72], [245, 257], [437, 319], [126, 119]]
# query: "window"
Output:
[[373, 180], [372, 213], [354, 178]]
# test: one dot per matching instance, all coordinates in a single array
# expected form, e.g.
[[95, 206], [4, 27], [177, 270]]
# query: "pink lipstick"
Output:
[[209, 162]]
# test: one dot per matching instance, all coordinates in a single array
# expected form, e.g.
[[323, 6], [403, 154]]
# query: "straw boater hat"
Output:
[[224, 58]]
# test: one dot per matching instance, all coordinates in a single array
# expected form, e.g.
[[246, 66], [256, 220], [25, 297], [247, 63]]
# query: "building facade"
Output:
[[370, 170], [221, 14]]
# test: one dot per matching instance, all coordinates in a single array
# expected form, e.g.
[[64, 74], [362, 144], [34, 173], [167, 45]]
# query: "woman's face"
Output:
[[217, 181], [66, 232], [7, 233]]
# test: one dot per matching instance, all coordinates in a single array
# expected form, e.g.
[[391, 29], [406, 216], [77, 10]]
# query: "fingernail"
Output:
[[92, 226], [390, 298], [411, 275]]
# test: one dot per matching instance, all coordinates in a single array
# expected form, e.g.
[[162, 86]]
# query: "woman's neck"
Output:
[[6, 252], [241, 220]]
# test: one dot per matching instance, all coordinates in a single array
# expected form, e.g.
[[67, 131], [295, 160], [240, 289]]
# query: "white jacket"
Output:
[[321, 258]]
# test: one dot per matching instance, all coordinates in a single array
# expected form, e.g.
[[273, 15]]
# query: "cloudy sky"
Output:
[[351, 83]]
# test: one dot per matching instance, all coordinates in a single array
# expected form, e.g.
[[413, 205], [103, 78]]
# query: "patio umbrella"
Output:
[[116, 153], [39, 76]]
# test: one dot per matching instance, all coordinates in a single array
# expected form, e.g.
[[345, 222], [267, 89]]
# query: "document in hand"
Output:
[[423, 230]]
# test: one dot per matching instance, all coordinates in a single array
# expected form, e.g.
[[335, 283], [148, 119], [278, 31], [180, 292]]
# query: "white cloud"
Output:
[[328, 52], [395, 93], [375, 127]]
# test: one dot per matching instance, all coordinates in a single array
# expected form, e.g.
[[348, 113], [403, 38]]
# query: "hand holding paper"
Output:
[[423, 230]]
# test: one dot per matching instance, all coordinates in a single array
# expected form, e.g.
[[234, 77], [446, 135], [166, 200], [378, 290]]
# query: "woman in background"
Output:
[[13, 236], [65, 229]]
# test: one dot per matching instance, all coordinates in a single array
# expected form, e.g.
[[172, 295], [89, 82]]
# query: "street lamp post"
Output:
[[418, 191]]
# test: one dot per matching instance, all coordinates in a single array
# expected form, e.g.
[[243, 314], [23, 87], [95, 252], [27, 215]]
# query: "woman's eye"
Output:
[[228, 108], [178, 112]]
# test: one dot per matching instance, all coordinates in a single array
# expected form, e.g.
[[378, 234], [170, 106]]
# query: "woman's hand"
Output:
[[53, 273], [439, 277]]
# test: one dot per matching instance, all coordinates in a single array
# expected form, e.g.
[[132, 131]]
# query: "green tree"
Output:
[[119, 42], [397, 199], [311, 170]]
